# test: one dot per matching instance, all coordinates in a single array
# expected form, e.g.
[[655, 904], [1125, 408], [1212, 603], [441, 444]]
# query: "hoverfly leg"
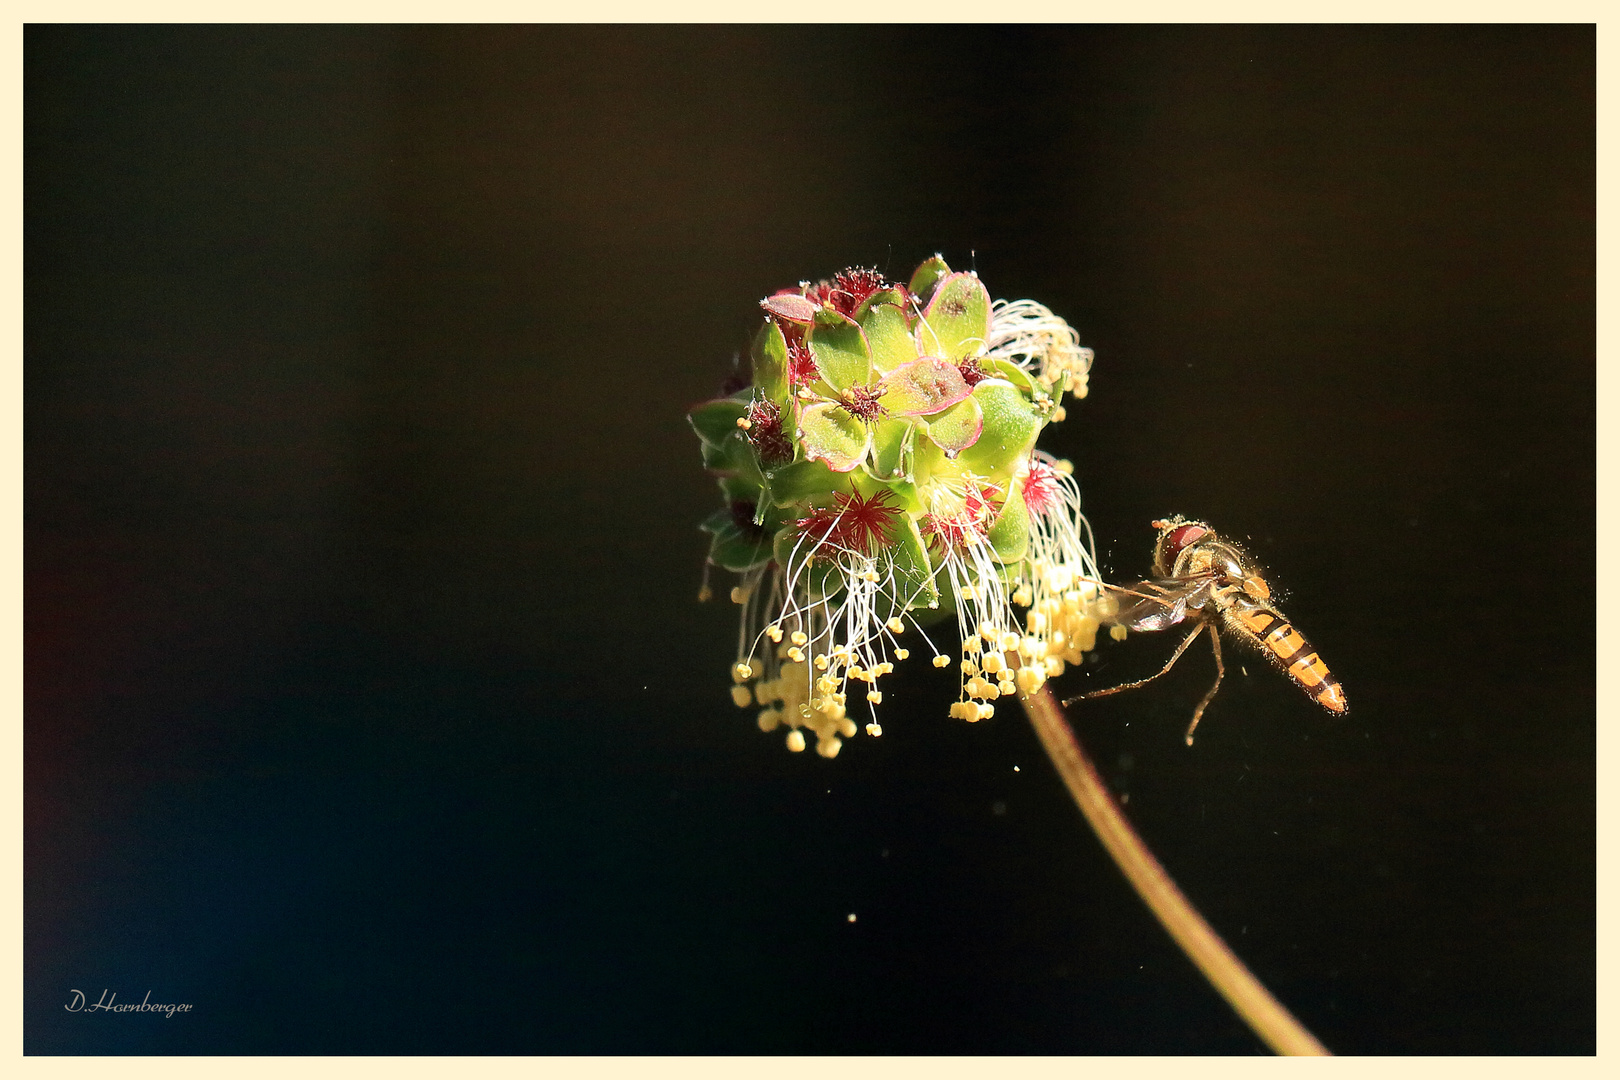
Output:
[[1220, 673], [1188, 640]]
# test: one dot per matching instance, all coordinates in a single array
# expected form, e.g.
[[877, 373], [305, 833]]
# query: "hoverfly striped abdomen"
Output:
[[1265, 627]]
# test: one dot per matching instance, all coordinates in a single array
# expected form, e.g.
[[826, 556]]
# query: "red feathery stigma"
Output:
[[802, 370], [972, 371], [862, 403], [853, 523], [765, 432], [848, 289], [960, 529], [1041, 491]]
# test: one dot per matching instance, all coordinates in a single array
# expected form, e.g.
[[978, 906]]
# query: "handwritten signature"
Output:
[[108, 1003]]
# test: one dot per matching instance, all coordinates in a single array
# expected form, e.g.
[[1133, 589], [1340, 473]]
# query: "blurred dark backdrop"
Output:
[[369, 707]]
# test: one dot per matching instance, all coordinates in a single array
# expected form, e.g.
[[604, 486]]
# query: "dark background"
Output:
[[369, 707]]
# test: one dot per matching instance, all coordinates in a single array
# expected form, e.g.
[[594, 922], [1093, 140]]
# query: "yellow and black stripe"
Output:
[[1288, 649]]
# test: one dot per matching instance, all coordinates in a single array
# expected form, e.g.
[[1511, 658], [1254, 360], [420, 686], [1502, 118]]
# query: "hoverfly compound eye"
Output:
[[1179, 539]]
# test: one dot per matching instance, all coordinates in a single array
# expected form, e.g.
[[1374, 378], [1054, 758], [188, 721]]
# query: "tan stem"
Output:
[[1274, 1024]]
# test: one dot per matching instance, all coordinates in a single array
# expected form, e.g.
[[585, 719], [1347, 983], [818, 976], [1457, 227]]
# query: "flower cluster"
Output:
[[879, 473]]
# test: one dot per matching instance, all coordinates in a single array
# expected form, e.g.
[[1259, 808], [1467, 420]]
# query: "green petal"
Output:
[[958, 427], [1010, 426], [770, 356], [733, 457], [832, 435], [890, 441], [958, 317], [914, 585], [1006, 369], [733, 488], [736, 549], [840, 349], [889, 336], [805, 480], [1009, 536], [716, 421], [882, 296], [927, 277], [717, 521], [923, 386], [790, 306]]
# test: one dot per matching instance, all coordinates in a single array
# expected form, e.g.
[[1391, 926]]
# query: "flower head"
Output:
[[880, 472]]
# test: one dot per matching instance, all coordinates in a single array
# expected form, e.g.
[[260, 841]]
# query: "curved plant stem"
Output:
[[1274, 1024]]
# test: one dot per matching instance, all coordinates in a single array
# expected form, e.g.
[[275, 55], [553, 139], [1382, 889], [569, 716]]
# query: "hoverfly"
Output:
[[1217, 585]]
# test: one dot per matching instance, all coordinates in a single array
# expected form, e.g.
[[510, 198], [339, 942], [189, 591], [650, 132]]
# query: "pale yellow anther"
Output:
[[821, 662], [739, 595], [887, 667], [1022, 597], [902, 654], [846, 728], [969, 667], [1009, 641], [826, 685], [743, 422], [1065, 466], [1117, 632], [993, 663], [874, 729], [798, 637], [773, 632], [989, 692], [741, 671], [986, 711], [972, 644], [896, 625], [942, 660], [869, 576], [742, 696], [795, 740], [1007, 687], [795, 654], [828, 748], [989, 631], [874, 696]]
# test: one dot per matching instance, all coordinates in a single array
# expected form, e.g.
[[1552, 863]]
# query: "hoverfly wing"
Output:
[[1153, 605]]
